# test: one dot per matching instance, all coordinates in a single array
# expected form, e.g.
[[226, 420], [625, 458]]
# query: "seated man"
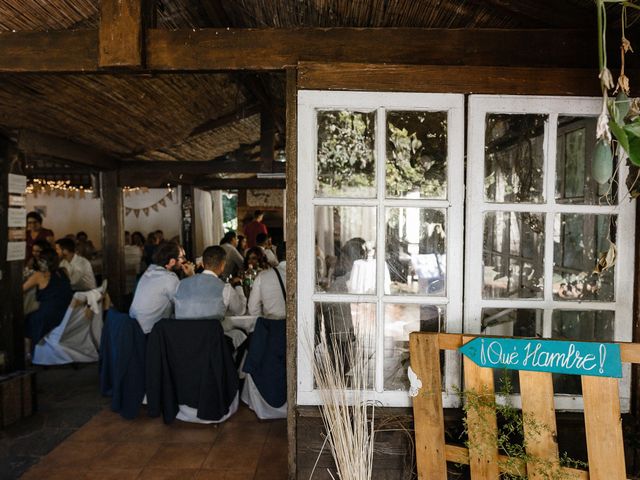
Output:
[[264, 242], [156, 290], [78, 268], [205, 295], [235, 261]]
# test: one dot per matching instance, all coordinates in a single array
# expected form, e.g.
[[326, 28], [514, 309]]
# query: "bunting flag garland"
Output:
[[155, 207]]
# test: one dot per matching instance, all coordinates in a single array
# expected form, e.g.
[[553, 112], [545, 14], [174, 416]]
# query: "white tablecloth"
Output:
[[244, 322]]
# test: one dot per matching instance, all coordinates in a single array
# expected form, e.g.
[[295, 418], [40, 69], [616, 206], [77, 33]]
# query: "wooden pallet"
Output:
[[601, 413]]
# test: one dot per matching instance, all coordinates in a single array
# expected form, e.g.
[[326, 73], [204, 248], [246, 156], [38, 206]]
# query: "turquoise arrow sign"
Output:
[[556, 356]]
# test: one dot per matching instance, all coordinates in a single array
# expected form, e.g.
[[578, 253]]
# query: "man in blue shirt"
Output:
[[156, 290]]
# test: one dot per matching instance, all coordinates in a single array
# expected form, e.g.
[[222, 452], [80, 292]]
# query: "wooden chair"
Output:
[[603, 424]]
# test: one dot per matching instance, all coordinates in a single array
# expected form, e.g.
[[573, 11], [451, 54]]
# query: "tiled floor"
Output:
[[109, 447]]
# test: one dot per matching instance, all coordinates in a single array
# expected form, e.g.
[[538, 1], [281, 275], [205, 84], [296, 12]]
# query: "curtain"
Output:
[[203, 221], [218, 217]]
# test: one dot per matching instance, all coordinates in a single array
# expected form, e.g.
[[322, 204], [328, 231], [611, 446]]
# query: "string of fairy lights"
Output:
[[66, 189]]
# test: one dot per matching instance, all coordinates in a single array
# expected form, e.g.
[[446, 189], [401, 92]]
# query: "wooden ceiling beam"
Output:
[[275, 49], [219, 49], [33, 143], [193, 167], [240, 183], [55, 52]]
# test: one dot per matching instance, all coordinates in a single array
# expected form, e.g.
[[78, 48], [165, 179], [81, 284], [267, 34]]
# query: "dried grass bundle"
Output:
[[341, 370]]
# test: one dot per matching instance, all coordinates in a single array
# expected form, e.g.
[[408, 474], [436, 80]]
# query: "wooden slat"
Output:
[[121, 33], [59, 51], [630, 352], [427, 407], [482, 423], [243, 111], [603, 426], [449, 341], [449, 79], [460, 455], [536, 391]]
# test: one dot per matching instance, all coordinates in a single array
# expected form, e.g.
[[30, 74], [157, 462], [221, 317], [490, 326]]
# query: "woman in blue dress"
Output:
[[53, 292]]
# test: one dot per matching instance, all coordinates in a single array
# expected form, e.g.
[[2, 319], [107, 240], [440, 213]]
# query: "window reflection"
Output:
[[349, 330], [399, 321], [514, 158], [345, 250], [416, 243], [575, 148], [416, 154], [513, 255], [345, 162], [578, 241]]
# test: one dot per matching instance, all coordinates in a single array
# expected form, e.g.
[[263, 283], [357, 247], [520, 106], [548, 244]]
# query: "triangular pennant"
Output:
[[127, 211], [127, 193], [82, 194], [155, 206], [137, 212], [144, 189], [146, 211], [170, 195], [163, 202]]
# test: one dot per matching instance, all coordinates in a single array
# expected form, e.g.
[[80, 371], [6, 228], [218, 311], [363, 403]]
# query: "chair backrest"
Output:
[[603, 424]]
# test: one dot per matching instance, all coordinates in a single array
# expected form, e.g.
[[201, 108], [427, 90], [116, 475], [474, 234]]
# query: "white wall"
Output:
[[71, 215]]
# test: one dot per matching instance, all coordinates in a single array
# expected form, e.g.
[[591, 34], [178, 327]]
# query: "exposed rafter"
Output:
[[243, 111], [33, 143]]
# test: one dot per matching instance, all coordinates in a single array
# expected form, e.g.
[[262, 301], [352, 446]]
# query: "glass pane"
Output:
[[345, 163], [399, 321], [579, 325], [416, 244], [513, 255], [514, 158], [510, 322], [345, 249], [417, 154], [348, 331], [578, 242], [575, 149]]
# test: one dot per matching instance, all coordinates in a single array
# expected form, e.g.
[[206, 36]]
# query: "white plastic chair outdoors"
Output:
[[77, 338]]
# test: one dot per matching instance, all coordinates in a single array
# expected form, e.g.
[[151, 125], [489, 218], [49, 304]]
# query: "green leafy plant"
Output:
[[509, 437]]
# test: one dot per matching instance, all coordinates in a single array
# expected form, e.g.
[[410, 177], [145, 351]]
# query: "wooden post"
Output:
[[11, 310], [113, 269], [267, 139], [291, 236], [122, 32]]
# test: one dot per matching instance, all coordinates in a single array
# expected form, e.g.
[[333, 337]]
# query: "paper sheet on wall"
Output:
[[17, 217], [17, 183], [16, 251]]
